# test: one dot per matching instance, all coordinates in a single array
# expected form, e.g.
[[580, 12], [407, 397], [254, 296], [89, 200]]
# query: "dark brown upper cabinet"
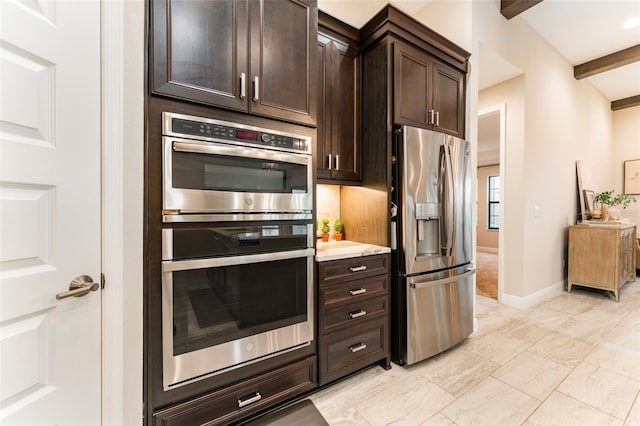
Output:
[[338, 147], [427, 93], [254, 56]]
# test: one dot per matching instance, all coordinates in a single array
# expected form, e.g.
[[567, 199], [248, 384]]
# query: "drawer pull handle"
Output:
[[357, 348], [358, 291], [358, 314], [244, 402], [358, 268]]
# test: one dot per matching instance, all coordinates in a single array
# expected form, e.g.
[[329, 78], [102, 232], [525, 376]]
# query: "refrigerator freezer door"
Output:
[[435, 198], [439, 311]]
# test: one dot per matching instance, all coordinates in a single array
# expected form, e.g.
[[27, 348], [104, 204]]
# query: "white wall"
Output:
[[564, 120], [626, 141]]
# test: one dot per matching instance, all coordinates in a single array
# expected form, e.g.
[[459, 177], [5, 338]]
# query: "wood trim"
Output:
[[327, 23], [608, 62], [512, 8], [392, 19], [123, 67], [629, 102]]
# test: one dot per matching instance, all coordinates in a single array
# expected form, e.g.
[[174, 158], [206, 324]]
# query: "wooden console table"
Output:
[[601, 256]]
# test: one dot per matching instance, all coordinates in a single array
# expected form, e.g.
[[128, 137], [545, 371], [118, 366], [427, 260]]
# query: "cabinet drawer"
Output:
[[242, 399], [352, 291], [350, 269], [346, 351], [352, 314]]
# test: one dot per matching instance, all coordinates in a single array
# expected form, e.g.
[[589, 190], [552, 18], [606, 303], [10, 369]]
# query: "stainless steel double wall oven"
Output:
[[237, 246]]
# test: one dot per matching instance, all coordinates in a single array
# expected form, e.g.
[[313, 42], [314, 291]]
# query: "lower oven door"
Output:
[[222, 313]]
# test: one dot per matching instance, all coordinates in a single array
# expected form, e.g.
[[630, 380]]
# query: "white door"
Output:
[[49, 211]]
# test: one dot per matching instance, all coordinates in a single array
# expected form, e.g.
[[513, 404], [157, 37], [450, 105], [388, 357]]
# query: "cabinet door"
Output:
[[345, 112], [323, 146], [283, 59], [412, 95], [448, 100], [199, 51]]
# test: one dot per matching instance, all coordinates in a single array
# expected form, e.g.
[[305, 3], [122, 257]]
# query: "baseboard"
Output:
[[533, 299], [487, 249]]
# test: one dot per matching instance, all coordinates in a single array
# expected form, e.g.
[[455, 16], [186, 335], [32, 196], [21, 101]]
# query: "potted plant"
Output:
[[338, 227], [325, 230], [608, 200]]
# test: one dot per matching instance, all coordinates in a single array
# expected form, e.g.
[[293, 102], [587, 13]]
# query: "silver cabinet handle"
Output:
[[431, 113], [358, 268], [244, 402], [358, 314], [243, 85], [78, 287], [357, 348], [256, 88], [330, 161], [358, 291], [437, 118], [337, 161]]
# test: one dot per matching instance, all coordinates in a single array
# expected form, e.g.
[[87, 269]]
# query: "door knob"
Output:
[[78, 287]]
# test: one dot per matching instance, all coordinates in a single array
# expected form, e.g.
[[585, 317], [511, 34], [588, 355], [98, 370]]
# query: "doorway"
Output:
[[491, 135]]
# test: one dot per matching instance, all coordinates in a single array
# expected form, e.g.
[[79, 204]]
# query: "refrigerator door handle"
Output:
[[446, 223], [428, 283]]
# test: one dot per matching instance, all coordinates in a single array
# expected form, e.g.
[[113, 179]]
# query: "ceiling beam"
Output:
[[606, 63], [625, 103], [511, 8]]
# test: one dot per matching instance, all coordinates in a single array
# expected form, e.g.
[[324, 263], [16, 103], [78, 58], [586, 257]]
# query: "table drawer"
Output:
[[352, 314], [346, 351], [352, 291], [242, 399], [352, 269]]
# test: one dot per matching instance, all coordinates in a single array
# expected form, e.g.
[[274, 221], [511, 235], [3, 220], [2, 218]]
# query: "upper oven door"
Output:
[[210, 177]]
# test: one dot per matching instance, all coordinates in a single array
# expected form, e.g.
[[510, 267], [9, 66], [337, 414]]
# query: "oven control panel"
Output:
[[203, 128]]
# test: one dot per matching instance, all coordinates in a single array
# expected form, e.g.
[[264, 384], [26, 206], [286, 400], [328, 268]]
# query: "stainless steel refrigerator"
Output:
[[432, 278]]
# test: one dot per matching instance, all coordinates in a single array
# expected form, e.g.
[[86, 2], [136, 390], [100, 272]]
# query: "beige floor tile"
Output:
[[570, 303], [603, 389], [533, 374], [498, 347], [592, 325], [526, 330], [491, 403], [347, 392], [563, 349], [560, 409], [342, 416], [439, 420], [624, 336], [633, 419], [456, 371], [632, 319], [409, 402], [548, 318], [616, 358]]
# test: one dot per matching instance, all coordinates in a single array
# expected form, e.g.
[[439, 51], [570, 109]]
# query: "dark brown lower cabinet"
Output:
[[243, 399], [353, 315]]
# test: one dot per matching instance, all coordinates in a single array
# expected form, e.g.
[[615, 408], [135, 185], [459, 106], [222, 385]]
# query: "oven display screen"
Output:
[[243, 134]]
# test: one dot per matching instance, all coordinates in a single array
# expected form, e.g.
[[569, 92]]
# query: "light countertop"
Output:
[[335, 250]]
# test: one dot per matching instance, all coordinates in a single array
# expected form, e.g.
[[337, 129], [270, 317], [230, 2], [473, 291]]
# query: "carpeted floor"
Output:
[[487, 274]]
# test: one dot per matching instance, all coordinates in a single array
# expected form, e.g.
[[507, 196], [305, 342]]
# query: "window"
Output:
[[493, 197]]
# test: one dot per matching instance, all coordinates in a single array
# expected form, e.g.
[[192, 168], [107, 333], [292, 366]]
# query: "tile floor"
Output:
[[571, 360]]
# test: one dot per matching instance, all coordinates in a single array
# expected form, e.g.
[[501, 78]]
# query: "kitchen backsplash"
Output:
[[327, 205]]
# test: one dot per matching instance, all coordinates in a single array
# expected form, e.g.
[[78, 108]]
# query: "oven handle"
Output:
[[182, 265], [234, 151]]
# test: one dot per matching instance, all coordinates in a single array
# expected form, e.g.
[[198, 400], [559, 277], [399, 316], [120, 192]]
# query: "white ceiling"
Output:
[[581, 30]]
